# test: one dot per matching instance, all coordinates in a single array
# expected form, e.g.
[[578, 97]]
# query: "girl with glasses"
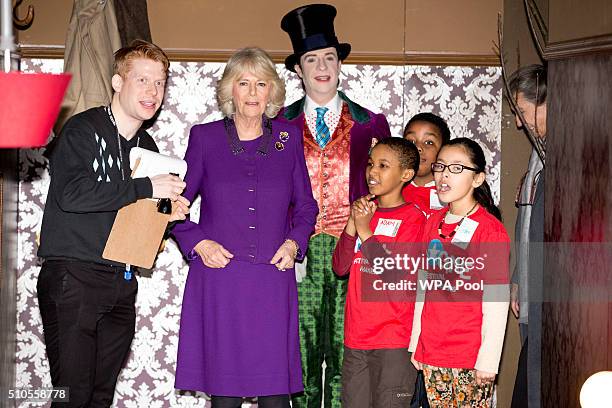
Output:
[[460, 315]]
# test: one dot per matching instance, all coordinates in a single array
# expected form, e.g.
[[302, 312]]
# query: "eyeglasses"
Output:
[[519, 200], [453, 168]]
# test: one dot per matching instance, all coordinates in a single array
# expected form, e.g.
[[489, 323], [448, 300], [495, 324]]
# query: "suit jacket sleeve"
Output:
[[188, 233], [381, 126], [304, 206]]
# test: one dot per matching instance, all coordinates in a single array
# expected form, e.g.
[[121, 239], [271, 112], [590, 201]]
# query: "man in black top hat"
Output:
[[338, 134]]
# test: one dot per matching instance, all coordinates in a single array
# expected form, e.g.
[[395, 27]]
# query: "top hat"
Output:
[[311, 28]]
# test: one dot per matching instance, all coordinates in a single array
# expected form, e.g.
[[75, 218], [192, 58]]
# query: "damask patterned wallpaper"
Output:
[[469, 98]]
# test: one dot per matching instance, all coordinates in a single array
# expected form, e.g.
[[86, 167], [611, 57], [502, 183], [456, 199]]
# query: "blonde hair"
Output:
[[138, 49], [258, 62]]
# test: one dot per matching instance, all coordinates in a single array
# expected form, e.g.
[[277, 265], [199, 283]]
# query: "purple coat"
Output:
[[246, 200], [239, 324], [368, 125]]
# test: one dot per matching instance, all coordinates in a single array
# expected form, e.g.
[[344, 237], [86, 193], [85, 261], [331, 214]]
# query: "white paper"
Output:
[[464, 233], [387, 227], [300, 270], [434, 200], [153, 164]]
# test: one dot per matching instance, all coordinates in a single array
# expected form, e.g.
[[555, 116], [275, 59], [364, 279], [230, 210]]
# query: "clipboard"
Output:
[[139, 228], [136, 234]]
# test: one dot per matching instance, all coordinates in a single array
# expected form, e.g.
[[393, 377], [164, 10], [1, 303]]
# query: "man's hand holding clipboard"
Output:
[[139, 228], [166, 174]]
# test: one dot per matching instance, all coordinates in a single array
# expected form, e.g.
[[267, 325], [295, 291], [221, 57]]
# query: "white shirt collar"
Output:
[[432, 183], [334, 105]]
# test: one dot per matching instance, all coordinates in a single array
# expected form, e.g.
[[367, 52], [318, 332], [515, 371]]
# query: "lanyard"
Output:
[[127, 274], [109, 111]]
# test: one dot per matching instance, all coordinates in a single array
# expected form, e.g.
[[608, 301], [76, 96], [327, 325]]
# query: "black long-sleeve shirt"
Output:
[[86, 188]]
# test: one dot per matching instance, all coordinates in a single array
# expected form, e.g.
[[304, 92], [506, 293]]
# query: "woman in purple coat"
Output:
[[239, 321]]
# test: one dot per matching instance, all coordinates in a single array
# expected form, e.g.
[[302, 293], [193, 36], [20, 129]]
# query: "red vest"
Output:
[[328, 169]]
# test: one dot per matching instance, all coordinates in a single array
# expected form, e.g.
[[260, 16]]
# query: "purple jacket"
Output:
[[247, 196], [368, 125]]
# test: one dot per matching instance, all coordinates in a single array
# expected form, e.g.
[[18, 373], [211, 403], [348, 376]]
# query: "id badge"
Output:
[[464, 233], [127, 274], [357, 245], [387, 227], [434, 200]]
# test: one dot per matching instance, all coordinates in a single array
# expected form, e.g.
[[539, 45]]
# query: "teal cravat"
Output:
[[322, 137]]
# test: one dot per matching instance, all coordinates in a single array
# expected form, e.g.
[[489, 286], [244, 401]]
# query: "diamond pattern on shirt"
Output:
[[103, 161]]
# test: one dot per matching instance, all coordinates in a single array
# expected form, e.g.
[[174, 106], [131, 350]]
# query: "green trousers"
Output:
[[321, 304]]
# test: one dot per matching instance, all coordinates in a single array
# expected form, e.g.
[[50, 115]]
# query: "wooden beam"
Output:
[[358, 58]]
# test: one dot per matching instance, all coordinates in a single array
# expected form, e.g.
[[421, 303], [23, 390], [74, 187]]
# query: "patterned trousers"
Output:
[[321, 305], [455, 388]]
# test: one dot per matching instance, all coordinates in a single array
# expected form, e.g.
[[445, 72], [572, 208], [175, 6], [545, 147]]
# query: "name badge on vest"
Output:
[[434, 200], [464, 233], [387, 227]]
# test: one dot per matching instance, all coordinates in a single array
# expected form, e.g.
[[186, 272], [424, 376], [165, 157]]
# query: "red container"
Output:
[[29, 105]]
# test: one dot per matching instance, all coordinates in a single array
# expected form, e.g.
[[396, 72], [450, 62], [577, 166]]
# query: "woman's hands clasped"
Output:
[[284, 257], [213, 254]]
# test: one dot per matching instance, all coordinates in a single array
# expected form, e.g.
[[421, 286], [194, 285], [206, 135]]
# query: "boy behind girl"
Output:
[[428, 132], [376, 370]]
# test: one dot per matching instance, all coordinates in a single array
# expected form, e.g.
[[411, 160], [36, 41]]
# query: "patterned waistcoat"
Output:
[[328, 169]]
